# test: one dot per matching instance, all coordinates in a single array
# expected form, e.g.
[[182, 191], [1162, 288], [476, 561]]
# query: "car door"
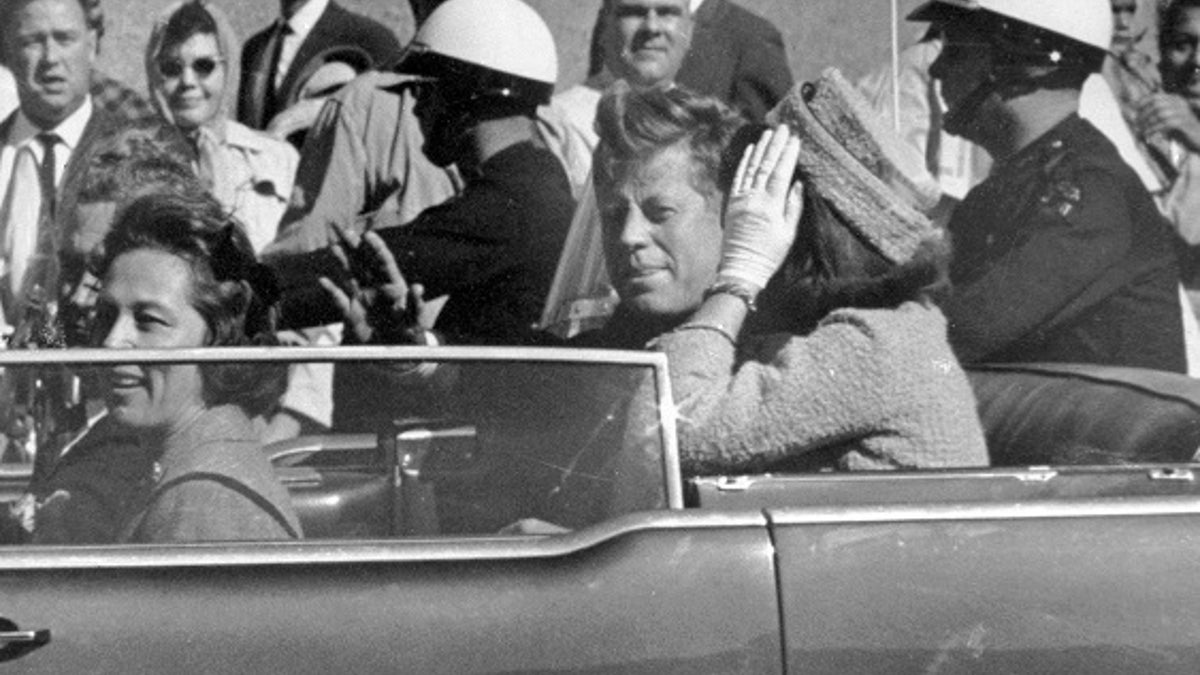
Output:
[[632, 583], [648, 593], [1084, 587], [1056, 570]]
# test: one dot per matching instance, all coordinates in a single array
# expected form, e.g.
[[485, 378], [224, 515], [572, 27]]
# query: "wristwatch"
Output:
[[737, 289]]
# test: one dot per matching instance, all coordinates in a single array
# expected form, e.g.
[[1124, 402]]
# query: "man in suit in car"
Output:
[[277, 60]]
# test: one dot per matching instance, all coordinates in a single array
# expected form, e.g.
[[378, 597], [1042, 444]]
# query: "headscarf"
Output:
[[228, 44], [211, 135]]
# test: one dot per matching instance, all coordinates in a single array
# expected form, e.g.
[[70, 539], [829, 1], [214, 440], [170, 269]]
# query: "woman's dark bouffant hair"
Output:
[[831, 266], [190, 19], [232, 292]]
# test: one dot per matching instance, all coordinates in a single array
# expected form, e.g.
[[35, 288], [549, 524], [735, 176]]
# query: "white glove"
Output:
[[763, 210]]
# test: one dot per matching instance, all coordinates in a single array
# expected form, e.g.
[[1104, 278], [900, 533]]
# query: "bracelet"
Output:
[[738, 290], [711, 327]]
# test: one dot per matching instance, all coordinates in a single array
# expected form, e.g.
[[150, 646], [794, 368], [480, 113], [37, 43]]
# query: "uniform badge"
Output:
[[1062, 197]]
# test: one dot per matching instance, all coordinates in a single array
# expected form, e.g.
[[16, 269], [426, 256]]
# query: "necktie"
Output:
[[30, 202], [280, 64], [274, 78], [42, 268], [46, 175]]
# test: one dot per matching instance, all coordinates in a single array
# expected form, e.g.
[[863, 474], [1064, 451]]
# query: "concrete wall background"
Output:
[[852, 34]]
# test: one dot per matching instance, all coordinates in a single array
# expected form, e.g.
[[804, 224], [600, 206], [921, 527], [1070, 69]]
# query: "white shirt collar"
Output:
[[696, 5], [69, 131], [306, 17]]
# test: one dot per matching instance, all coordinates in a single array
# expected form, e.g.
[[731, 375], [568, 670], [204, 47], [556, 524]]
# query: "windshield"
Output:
[[406, 442]]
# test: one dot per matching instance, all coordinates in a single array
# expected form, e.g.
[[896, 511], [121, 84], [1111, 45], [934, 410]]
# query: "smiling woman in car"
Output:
[[178, 272]]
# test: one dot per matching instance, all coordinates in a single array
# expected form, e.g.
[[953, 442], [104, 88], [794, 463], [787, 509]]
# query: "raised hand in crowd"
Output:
[[379, 306], [1169, 115]]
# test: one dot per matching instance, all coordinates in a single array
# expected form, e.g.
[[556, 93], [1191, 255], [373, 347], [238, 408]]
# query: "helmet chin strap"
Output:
[[960, 118], [963, 116]]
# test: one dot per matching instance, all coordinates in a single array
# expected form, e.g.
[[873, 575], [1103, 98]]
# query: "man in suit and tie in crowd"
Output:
[[277, 61], [735, 55], [50, 46]]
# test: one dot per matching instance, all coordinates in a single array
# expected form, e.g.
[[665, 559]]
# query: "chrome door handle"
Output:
[[24, 637], [15, 643]]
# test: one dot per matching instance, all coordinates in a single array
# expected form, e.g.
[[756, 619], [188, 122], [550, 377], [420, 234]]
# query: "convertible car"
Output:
[[523, 511]]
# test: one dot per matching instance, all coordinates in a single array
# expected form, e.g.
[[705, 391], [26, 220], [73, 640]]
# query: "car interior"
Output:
[[571, 443]]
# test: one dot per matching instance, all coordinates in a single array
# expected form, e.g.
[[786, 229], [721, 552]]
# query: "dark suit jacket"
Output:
[[737, 56], [336, 28], [102, 123]]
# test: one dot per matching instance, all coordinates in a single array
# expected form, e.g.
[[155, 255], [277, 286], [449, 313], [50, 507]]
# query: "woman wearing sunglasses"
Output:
[[191, 68]]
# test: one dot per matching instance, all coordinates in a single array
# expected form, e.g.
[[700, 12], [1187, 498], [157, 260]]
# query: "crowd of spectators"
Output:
[[814, 276]]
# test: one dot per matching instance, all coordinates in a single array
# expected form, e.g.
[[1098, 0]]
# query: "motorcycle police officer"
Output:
[[1061, 254]]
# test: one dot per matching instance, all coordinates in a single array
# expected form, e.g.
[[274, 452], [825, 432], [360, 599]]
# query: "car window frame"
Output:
[[330, 550]]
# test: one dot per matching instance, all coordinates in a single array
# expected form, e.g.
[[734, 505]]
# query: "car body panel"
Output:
[[649, 593], [1000, 570], [1088, 587]]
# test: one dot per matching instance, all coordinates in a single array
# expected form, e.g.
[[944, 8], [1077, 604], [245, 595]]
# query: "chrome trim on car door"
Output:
[[1072, 508], [372, 551]]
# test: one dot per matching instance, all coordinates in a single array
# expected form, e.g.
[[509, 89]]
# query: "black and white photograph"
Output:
[[494, 337]]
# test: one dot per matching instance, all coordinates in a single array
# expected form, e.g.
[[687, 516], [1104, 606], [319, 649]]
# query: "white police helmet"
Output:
[[1086, 24], [499, 48]]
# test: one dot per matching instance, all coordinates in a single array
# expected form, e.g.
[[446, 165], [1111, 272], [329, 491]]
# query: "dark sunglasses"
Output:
[[203, 66]]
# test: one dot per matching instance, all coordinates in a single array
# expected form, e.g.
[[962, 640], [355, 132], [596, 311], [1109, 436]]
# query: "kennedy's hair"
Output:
[[229, 288], [635, 125]]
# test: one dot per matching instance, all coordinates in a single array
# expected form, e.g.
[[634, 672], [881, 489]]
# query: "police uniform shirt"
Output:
[[1061, 255]]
